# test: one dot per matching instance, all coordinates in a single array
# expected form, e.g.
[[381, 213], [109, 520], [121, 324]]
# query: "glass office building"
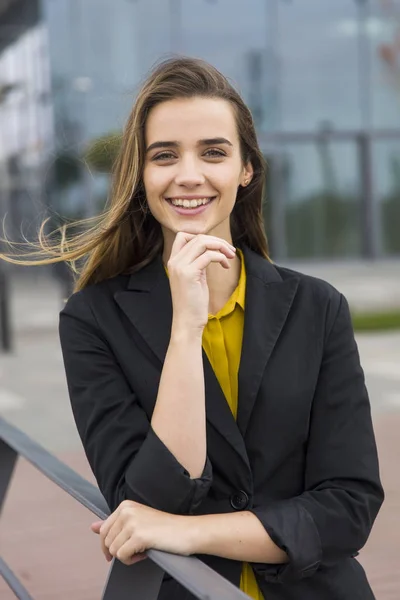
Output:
[[322, 79]]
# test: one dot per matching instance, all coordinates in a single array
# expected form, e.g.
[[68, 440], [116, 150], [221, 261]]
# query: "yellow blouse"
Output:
[[222, 342]]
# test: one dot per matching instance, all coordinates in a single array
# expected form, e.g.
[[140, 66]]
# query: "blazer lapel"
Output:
[[268, 301], [147, 303], [219, 414]]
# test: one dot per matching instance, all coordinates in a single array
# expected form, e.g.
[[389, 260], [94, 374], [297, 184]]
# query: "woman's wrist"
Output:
[[189, 531], [183, 333], [237, 536]]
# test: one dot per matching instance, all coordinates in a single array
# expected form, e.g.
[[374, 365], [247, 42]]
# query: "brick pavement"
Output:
[[381, 556], [46, 541], [45, 537]]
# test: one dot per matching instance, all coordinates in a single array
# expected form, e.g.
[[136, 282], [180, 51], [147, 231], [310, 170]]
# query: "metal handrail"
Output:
[[141, 580], [13, 581]]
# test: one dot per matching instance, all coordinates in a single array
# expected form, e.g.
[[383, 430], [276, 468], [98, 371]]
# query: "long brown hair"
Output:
[[125, 236]]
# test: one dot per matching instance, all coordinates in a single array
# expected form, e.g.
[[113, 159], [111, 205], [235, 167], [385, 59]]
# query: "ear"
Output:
[[247, 174]]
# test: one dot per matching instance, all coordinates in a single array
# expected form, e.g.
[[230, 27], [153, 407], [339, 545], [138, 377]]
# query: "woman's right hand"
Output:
[[190, 256]]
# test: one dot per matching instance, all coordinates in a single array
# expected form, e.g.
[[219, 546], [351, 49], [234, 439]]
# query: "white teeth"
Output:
[[189, 203]]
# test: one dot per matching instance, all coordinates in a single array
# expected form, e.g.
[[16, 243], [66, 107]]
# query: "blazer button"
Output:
[[239, 500]]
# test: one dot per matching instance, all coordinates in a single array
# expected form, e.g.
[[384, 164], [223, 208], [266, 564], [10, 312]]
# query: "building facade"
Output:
[[322, 79]]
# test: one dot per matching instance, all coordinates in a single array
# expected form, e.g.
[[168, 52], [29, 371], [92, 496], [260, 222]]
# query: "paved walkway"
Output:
[[44, 535], [372, 285]]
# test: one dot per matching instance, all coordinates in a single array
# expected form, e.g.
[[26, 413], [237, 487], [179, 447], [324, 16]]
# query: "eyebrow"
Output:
[[175, 144]]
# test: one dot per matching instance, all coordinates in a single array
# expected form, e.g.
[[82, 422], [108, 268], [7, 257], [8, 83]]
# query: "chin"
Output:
[[193, 228], [196, 230]]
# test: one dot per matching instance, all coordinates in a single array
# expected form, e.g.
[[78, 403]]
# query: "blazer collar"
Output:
[[147, 303], [268, 302]]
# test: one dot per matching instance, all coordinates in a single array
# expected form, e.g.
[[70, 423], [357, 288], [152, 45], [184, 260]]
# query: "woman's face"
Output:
[[193, 166]]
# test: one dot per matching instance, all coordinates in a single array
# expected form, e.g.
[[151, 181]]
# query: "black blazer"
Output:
[[302, 454]]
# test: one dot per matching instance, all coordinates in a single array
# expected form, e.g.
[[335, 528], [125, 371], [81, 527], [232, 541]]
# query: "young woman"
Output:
[[219, 397]]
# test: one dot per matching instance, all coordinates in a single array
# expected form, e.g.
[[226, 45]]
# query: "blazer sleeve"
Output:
[[332, 519], [127, 458]]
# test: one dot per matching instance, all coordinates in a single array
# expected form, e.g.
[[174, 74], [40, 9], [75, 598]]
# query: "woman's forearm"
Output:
[[179, 417], [237, 536]]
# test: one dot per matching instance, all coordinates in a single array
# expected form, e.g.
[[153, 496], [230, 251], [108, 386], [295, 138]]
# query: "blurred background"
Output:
[[322, 79]]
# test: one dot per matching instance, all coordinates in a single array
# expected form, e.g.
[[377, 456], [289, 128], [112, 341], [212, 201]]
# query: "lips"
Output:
[[190, 205], [190, 202]]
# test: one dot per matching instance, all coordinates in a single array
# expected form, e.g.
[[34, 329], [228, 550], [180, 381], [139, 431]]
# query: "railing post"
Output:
[[5, 320], [141, 580], [8, 458], [370, 212]]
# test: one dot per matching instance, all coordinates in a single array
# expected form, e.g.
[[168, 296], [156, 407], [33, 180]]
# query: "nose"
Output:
[[189, 173]]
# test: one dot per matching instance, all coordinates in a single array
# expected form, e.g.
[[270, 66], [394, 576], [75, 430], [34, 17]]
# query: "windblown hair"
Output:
[[125, 236]]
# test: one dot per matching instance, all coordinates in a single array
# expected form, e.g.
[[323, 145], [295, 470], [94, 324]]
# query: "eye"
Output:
[[163, 156], [214, 153]]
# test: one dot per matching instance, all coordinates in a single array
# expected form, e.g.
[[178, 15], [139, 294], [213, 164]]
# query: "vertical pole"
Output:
[[5, 319], [278, 202], [5, 195], [367, 204], [278, 199], [77, 15], [364, 64], [371, 211]]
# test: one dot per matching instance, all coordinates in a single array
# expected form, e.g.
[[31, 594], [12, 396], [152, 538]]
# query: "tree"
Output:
[[102, 152]]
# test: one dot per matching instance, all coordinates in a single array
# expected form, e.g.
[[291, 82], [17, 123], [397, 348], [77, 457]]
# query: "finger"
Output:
[[211, 256], [181, 239], [105, 531], [123, 537], [200, 245], [105, 550], [136, 558], [109, 522], [113, 533], [128, 551], [184, 241], [208, 241], [95, 527]]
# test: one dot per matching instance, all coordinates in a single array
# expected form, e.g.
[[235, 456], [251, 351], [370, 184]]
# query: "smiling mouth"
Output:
[[190, 202]]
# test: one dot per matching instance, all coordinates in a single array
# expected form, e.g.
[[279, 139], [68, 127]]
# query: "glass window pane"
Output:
[[387, 190], [233, 36], [317, 45], [384, 35], [321, 195]]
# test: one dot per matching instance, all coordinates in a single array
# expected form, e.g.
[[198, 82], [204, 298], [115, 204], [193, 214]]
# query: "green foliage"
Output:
[[391, 222], [67, 169], [377, 321], [324, 224], [103, 151]]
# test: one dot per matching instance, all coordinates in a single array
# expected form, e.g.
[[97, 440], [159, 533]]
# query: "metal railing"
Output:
[[141, 580]]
